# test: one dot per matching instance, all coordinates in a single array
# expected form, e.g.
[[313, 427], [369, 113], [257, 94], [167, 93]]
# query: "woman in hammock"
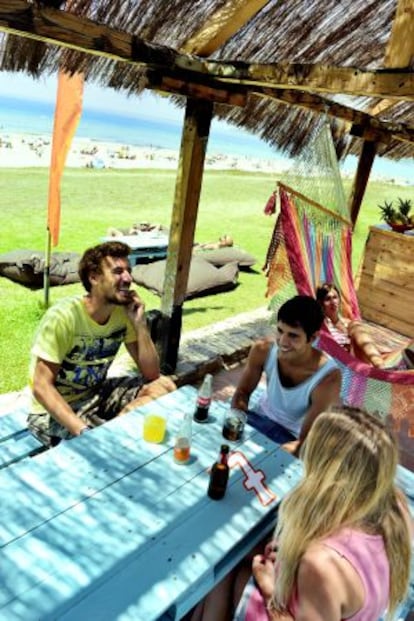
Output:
[[354, 336]]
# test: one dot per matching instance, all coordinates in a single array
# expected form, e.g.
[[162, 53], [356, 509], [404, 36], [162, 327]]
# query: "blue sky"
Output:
[[154, 106]]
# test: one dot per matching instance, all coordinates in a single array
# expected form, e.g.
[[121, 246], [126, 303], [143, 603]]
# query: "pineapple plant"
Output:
[[399, 218], [404, 207], [388, 212]]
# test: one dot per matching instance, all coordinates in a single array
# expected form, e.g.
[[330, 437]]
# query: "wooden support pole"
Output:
[[196, 130], [366, 159]]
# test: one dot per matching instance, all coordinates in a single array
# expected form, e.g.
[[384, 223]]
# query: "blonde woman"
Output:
[[343, 534]]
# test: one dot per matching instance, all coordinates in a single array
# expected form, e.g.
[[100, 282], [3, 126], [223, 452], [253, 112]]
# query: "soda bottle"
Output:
[[219, 475], [182, 446], [204, 399]]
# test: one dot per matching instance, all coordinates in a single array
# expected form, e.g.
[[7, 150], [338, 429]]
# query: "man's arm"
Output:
[[142, 350], [45, 392], [325, 394], [251, 374]]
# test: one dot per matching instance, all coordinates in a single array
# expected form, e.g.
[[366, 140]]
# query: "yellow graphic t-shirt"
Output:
[[84, 349]]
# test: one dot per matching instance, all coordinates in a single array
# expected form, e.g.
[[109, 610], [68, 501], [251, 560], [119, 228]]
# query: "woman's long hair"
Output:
[[350, 462]]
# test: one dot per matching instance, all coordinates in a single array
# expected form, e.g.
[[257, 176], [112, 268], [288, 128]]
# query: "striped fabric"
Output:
[[311, 245]]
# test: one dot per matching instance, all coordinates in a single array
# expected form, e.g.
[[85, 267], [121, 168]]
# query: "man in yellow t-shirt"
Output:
[[77, 341]]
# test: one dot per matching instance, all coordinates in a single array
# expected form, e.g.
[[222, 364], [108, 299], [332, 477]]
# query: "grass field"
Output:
[[92, 200]]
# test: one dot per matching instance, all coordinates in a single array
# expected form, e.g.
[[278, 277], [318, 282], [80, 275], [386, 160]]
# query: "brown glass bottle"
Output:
[[219, 475]]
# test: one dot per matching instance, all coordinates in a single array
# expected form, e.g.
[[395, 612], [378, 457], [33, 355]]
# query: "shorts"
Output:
[[111, 397], [270, 428], [251, 606]]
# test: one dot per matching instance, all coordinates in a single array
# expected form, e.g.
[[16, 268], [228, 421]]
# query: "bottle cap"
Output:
[[224, 448]]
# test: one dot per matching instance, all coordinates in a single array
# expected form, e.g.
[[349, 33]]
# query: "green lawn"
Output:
[[92, 200]]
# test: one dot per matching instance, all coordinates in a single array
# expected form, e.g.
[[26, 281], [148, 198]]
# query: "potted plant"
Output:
[[398, 218]]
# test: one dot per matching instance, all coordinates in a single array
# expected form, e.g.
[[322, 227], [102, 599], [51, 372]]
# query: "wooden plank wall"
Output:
[[386, 281]]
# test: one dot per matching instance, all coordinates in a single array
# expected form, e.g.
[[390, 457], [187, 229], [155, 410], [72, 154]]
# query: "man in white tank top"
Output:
[[301, 381]]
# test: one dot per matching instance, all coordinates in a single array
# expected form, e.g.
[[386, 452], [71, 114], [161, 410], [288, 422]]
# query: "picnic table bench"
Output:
[[145, 246], [16, 441]]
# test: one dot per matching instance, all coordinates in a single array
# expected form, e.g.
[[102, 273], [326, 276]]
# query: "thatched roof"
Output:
[[272, 67]]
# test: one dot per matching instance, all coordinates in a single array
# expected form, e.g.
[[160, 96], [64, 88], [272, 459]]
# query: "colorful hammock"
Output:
[[311, 245]]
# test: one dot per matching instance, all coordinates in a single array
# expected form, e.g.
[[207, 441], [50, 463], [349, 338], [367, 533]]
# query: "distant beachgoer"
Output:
[[76, 342], [135, 229], [224, 241], [355, 337]]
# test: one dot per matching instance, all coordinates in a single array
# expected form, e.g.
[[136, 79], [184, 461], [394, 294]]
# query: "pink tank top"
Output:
[[367, 555]]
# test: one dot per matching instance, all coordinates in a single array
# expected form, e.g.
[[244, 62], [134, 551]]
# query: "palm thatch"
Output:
[[239, 38]]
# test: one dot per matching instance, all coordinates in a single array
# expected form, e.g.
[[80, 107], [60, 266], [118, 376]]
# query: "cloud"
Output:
[[147, 105]]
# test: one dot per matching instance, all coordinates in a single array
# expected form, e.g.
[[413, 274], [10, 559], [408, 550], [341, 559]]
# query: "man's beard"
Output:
[[122, 300]]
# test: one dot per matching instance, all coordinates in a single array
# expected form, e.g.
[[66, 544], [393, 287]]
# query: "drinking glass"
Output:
[[233, 426], [154, 427]]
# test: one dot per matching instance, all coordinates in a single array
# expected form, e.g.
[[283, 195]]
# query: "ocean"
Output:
[[36, 117], [18, 115]]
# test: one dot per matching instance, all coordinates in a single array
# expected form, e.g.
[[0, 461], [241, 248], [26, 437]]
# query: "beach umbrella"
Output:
[[68, 111]]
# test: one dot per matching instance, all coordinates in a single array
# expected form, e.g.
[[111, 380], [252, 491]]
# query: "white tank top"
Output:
[[288, 406]]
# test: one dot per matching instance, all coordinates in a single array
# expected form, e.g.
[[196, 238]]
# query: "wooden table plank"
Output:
[[80, 468], [181, 560], [94, 536], [17, 447]]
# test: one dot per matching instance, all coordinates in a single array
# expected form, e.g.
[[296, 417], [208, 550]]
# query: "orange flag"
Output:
[[67, 114]]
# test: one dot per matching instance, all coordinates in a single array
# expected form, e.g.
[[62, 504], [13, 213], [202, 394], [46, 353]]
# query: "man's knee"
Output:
[[161, 386], [150, 391]]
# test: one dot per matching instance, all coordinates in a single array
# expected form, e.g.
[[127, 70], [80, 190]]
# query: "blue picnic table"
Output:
[[145, 245], [107, 526]]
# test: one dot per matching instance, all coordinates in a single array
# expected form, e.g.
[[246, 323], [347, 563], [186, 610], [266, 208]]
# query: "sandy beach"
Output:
[[27, 150]]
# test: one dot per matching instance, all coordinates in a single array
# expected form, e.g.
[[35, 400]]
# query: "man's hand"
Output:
[[292, 447], [135, 309]]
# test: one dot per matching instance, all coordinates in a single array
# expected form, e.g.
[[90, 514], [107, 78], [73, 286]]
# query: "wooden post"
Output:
[[195, 134], [366, 159]]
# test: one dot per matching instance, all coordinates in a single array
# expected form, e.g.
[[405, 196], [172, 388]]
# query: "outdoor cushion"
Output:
[[26, 267], [204, 278], [230, 254]]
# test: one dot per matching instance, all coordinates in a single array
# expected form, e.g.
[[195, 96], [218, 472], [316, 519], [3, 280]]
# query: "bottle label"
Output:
[[203, 402]]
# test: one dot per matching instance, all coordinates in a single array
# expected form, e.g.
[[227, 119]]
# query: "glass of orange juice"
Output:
[[155, 426]]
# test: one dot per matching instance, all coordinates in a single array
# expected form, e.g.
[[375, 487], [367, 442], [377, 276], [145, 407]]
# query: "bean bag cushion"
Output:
[[222, 256], [204, 278], [26, 267]]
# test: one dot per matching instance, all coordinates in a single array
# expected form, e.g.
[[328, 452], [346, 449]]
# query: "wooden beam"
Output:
[[175, 86], [319, 78], [370, 127], [222, 25], [60, 28], [399, 54], [400, 48], [196, 130], [381, 106], [365, 162]]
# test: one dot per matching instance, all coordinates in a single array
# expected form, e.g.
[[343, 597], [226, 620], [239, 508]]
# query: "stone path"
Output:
[[220, 346]]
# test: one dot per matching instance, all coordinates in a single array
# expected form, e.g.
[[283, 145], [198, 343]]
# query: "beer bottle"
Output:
[[219, 475], [182, 444], [204, 399]]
